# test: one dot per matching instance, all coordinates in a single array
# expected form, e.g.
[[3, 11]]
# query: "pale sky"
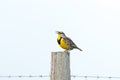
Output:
[[27, 35]]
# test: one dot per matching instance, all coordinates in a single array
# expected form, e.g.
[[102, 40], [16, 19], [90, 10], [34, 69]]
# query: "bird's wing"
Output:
[[70, 42]]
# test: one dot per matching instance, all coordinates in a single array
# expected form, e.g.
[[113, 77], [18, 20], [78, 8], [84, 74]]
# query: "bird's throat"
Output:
[[59, 39]]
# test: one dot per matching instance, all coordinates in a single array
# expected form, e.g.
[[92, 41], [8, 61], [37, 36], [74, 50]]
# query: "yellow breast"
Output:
[[62, 43]]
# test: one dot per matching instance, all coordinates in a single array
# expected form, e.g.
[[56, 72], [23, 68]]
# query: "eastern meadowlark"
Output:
[[65, 42]]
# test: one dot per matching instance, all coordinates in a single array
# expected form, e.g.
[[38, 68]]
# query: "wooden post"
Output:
[[60, 66]]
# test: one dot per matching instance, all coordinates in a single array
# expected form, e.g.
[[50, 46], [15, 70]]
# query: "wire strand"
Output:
[[48, 76]]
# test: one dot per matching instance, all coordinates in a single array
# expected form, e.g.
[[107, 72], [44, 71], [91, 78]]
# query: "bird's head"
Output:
[[60, 33]]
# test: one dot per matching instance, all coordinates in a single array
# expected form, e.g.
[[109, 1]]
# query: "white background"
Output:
[[27, 35]]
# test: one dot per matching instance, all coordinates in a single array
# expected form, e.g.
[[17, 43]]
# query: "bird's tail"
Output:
[[79, 49]]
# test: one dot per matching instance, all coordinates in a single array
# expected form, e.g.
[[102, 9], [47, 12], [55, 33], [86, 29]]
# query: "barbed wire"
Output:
[[43, 76], [109, 77], [24, 76]]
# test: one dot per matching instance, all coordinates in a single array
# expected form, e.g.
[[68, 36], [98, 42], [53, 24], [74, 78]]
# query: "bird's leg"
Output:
[[67, 51]]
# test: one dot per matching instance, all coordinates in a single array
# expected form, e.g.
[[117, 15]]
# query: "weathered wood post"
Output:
[[60, 66]]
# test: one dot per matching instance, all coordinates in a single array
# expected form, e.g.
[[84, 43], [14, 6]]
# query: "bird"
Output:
[[65, 42]]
